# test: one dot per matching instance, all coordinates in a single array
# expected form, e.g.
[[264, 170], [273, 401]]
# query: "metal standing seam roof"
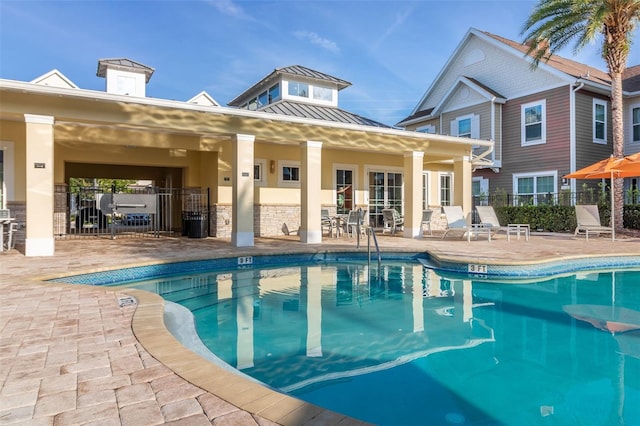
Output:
[[319, 112], [293, 70], [123, 64]]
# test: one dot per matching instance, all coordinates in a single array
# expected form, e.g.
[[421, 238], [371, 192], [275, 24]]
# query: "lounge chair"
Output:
[[426, 220], [456, 224], [355, 219], [588, 220], [391, 220], [489, 218]]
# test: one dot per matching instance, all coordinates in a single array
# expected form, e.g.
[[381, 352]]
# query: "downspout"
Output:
[[572, 133]]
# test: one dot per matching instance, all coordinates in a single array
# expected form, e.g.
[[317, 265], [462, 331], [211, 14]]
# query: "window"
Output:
[[289, 173], [298, 89], [274, 93], [344, 191], [533, 124], [263, 99], [467, 126], [429, 128], [535, 188], [425, 190], [635, 120], [260, 172], [322, 93], [599, 121], [446, 189]]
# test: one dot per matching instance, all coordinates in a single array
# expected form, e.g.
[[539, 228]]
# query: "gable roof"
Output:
[[565, 69], [203, 98], [123, 64], [570, 67], [292, 70], [631, 79], [472, 83], [319, 112], [54, 78]]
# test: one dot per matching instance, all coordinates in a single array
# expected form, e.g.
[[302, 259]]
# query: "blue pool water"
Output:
[[404, 345]]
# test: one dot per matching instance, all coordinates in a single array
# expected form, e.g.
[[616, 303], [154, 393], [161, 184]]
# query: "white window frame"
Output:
[[262, 164], [354, 170], [474, 128], [451, 195], [543, 130], [632, 124], [429, 128], [426, 194], [288, 183], [602, 103], [516, 176]]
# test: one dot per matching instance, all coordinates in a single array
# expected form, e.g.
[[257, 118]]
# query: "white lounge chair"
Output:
[[489, 218], [588, 220], [426, 221], [457, 224], [391, 220]]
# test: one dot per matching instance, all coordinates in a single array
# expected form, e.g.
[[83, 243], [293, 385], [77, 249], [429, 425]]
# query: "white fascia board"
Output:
[[464, 81], [234, 112]]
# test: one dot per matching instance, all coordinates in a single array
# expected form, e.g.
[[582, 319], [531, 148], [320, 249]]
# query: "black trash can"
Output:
[[197, 225], [186, 223]]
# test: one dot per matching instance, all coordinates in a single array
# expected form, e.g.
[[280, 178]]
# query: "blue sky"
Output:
[[389, 50]]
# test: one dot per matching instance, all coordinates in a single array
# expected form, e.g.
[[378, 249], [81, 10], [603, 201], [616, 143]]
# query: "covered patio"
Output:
[[239, 154]]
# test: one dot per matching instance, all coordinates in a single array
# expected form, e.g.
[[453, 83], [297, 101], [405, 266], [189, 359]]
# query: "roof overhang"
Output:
[[80, 114]]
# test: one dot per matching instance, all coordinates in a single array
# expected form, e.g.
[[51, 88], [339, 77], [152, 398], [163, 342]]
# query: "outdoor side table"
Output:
[[478, 229], [518, 228]]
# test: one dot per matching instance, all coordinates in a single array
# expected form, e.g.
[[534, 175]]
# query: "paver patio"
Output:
[[69, 354]]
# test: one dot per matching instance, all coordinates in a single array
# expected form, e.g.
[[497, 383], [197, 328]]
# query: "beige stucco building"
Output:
[[262, 169]]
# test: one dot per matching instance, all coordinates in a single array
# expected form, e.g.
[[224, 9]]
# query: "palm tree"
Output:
[[553, 24]]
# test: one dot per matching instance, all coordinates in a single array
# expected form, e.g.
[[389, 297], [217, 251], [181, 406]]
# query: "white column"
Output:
[[413, 193], [39, 239], [310, 189], [462, 179], [242, 191]]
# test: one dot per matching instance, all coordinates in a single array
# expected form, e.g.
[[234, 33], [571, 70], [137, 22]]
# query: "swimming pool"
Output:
[[407, 345]]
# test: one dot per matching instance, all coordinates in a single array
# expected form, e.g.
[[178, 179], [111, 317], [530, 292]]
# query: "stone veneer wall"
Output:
[[268, 220], [60, 210]]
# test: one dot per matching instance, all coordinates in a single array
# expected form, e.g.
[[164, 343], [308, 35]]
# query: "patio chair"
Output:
[[426, 221], [489, 218], [588, 220], [391, 220], [353, 220], [329, 224], [457, 224]]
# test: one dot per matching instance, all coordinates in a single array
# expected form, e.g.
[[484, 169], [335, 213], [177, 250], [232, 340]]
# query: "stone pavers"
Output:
[[68, 354]]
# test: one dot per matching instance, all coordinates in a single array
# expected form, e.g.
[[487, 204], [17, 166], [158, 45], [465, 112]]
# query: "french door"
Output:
[[385, 192]]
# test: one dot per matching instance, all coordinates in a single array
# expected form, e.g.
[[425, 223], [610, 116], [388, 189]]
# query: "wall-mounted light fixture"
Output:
[[272, 166]]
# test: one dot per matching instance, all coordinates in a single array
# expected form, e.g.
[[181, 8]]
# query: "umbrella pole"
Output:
[[613, 214]]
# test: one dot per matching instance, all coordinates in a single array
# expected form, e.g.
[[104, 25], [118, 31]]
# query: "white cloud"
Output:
[[228, 7], [317, 40]]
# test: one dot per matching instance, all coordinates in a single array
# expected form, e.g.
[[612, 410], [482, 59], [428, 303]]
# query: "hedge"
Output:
[[554, 218]]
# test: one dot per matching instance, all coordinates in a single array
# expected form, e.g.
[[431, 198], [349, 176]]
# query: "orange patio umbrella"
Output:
[[610, 168]]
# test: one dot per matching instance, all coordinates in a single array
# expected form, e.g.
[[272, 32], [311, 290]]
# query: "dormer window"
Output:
[[298, 89], [274, 93], [322, 93]]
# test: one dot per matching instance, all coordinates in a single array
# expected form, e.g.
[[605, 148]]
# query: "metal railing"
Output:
[[372, 232]]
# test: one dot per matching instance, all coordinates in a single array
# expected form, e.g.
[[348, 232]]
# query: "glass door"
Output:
[[344, 191], [385, 192]]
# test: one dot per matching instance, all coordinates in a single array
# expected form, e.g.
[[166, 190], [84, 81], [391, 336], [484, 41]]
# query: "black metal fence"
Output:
[[139, 212]]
